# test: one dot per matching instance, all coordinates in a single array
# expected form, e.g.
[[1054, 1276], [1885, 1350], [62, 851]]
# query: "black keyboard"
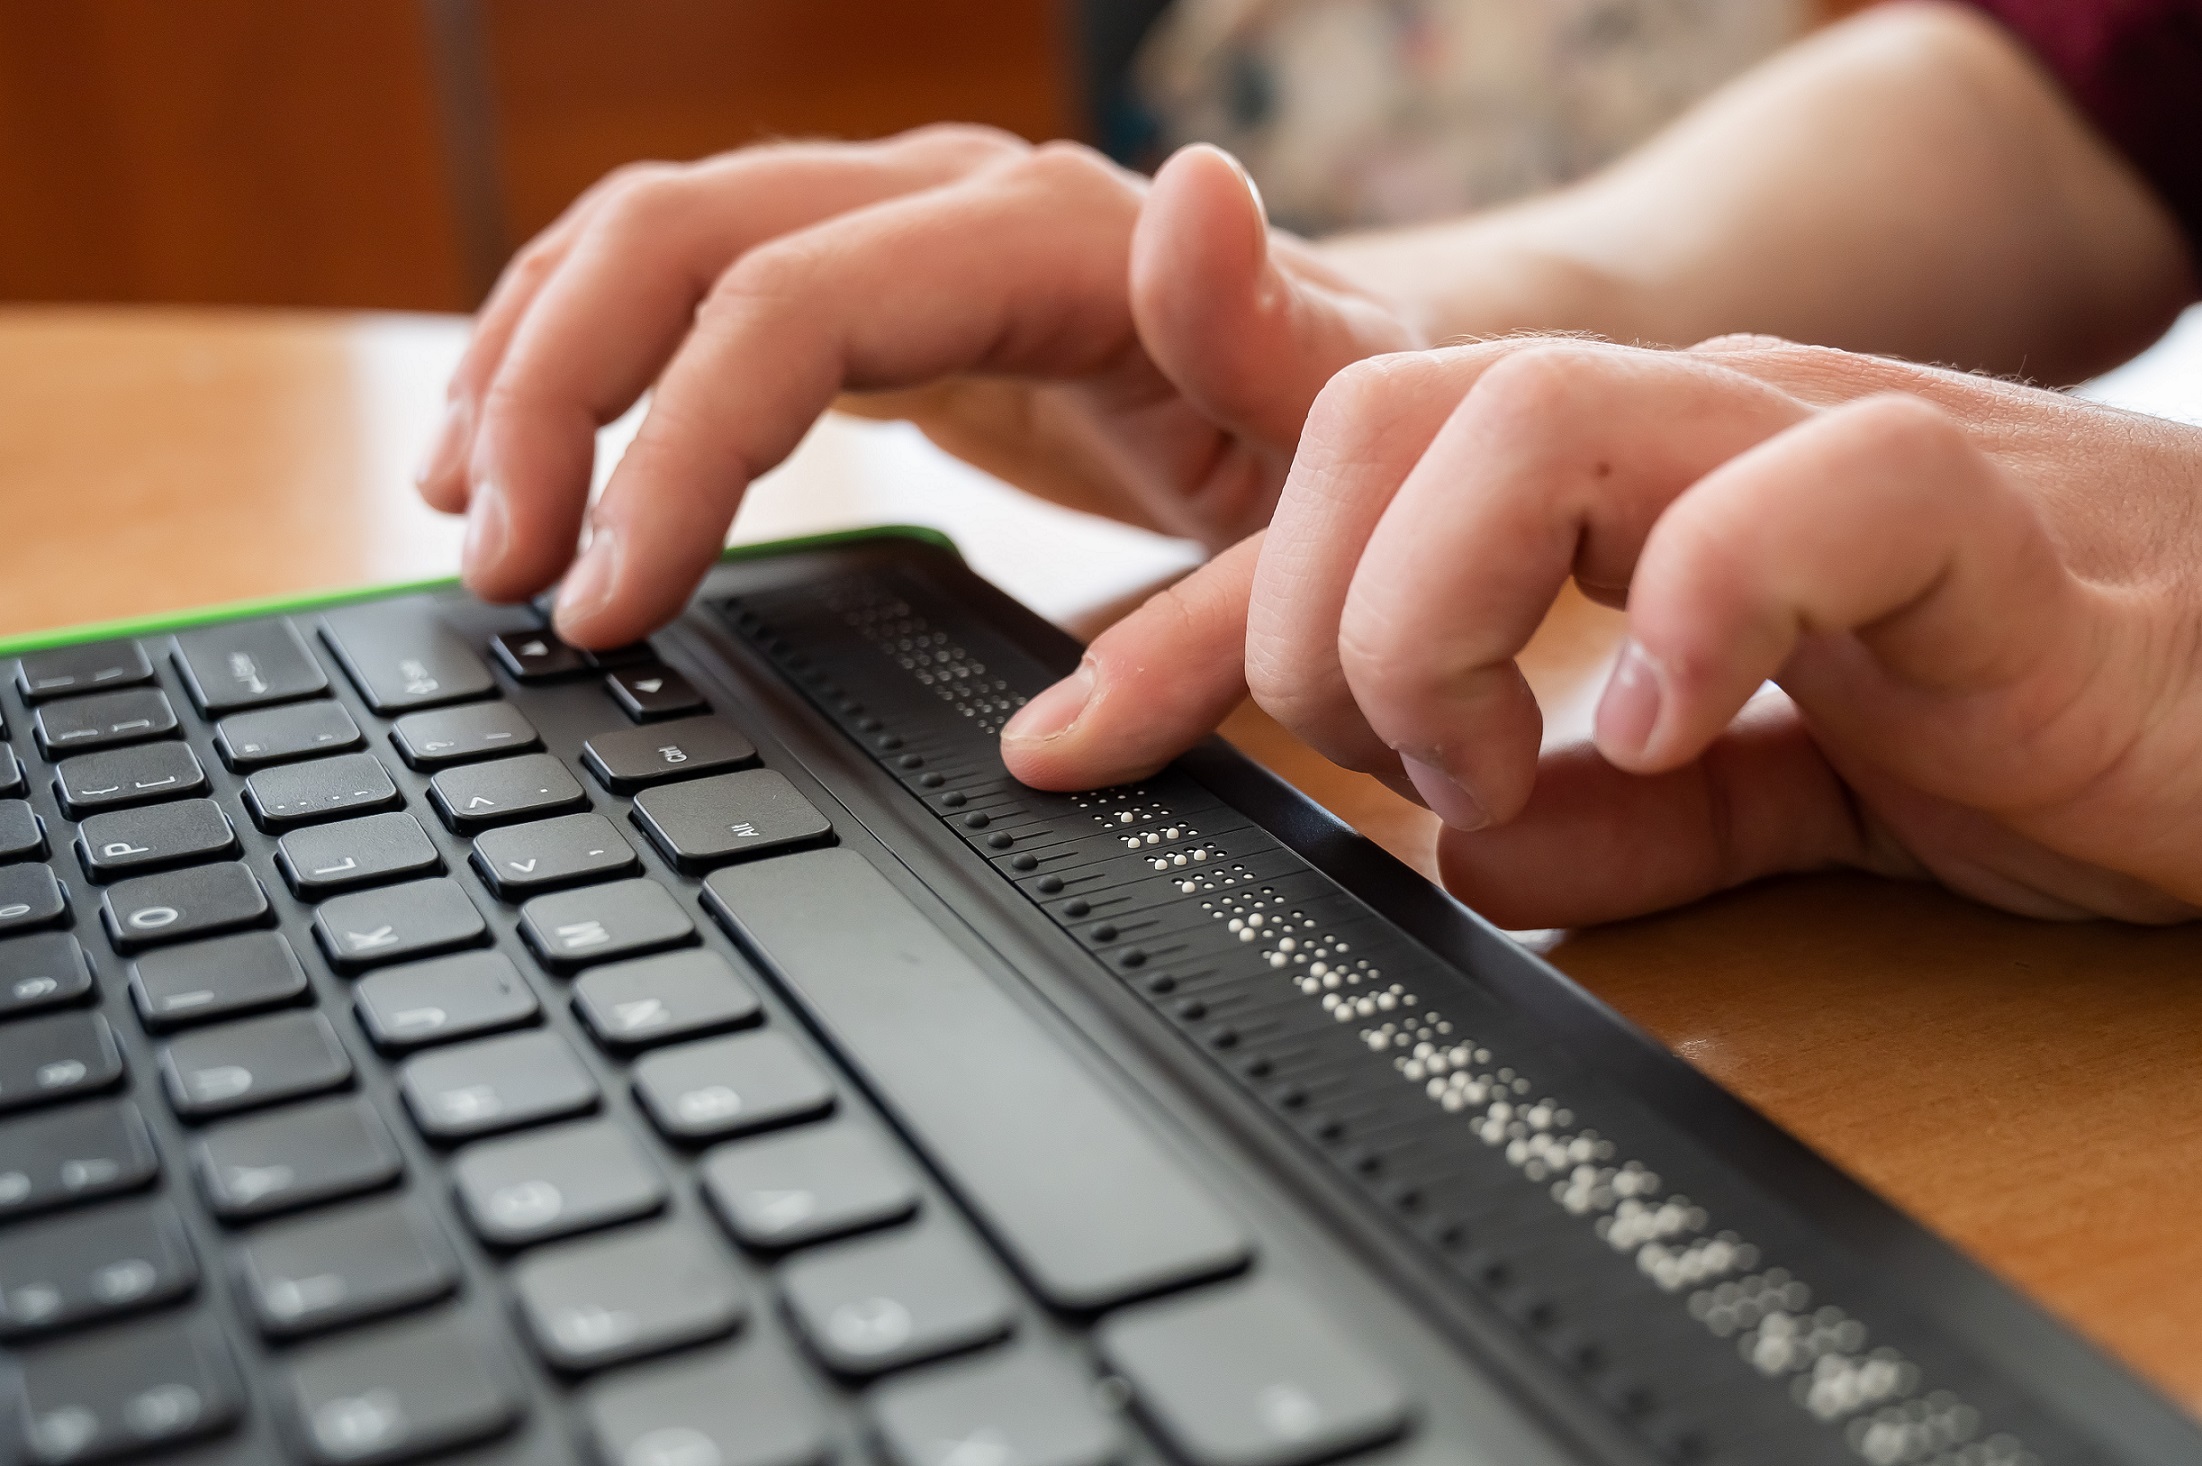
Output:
[[422, 1039]]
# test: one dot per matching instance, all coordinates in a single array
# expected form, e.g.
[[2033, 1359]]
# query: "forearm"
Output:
[[1909, 182]]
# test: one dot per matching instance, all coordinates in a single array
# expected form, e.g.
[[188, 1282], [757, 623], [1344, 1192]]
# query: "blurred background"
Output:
[[393, 153]]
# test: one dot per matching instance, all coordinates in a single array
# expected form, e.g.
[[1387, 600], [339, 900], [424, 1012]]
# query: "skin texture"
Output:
[[2002, 696], [1907, 183]]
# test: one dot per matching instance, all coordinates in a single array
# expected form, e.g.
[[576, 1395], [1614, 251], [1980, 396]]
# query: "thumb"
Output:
[[1247, 328], [1149, 687]]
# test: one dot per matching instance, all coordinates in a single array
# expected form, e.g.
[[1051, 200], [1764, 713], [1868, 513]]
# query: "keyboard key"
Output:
[[641, 1290], [340, 1268], [132, 841], [970, 1071], [197, 901], [475, 796], [522, 860], [121, 1392], [707, 822], [294, 1157], [55, 1057], [11, 770], [104, 720], [633, 654], [781, 1191], [1252, 1374], [30, 897], [126, 778], [536, 656], [743, 1406], [404, 1390], [1020, 1409], [95, 666], [880, 1303], [444, 736], [259, 1061], [397, 924], [323, 789], [555, 1183], [648, 692], [246, 664], [251, 741], [654, 1000], [634, 758], [729, 1086], [401, 656], [72, 1155], [495, 1084], [44, 970], [100, 1263], [22, 833], [442, 999], [321, 860], [570, 929], [226, 977]]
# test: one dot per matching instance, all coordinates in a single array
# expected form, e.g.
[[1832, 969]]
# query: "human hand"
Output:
[[1982, 604], [1141, 350]]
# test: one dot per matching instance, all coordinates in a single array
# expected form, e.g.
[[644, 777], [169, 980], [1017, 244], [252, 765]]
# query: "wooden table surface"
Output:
[[2028, 1090]]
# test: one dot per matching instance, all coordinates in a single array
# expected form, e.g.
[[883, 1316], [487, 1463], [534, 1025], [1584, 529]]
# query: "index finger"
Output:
[[978, 276]]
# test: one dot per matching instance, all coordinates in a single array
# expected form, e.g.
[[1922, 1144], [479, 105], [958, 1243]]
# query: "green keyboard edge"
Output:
[[290, 605]]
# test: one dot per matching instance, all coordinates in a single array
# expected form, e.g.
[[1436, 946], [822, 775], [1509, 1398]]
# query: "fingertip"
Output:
[[1201, 245], [440, 478]]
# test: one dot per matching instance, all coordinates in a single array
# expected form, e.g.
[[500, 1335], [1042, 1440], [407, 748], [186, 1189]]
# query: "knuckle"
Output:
[[1065, 166], [981, 142], [641, 206]]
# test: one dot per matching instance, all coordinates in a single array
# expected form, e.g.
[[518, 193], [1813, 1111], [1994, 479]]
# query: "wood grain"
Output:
[[582, 87]]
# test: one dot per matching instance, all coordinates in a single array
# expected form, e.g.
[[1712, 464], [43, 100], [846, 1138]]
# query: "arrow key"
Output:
[[651, 692], [523, 860], [536, 656], [397, 924], [475, 796]]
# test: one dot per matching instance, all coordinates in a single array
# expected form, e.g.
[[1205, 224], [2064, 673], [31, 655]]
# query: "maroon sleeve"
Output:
[[2135, 68]]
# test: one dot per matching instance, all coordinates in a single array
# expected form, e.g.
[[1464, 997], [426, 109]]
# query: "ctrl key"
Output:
[[400, 1392], [119, 1392]]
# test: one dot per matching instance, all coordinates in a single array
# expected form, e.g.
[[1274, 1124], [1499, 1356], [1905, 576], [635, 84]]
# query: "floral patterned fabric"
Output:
[[1358, 112]]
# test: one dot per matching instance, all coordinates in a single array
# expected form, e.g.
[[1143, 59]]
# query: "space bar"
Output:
[[1089, 1206]]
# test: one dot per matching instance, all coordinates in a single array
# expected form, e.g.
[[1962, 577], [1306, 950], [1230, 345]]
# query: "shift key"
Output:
[[401, 656]]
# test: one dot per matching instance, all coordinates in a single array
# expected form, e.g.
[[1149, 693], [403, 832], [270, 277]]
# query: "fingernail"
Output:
[[442, 458], [1051, 714], [1628, 712], [488, 529], [1253, 189], [589, 584], [1447, 798]]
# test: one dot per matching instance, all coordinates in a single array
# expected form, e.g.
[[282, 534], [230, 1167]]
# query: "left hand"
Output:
[[1982, 604]]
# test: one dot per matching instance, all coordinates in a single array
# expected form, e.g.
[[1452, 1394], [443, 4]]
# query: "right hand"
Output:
[[1141, 350]]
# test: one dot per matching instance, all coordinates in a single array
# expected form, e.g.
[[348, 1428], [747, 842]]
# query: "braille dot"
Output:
[[1105, 932], [955, 799], [1257, 1067], [890, 743], [933, 781], [1223, 1038], [1291, 1097], [1001, 840], [912, 760], [1048, 885], [1077, 908], [869, 725], [1161, 983], [1192, 1010], [976, 820], [1133, 958], [1330, 1128]]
